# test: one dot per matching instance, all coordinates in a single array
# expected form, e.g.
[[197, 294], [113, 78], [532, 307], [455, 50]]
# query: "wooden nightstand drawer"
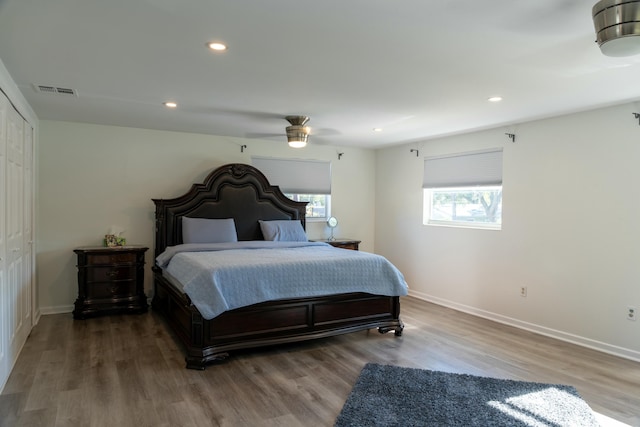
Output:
[[110, 280], [115, 258], [107, 273], [110, 290]]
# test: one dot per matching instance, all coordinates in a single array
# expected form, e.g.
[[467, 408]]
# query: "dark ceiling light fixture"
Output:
[[297, 133], [617, 24]]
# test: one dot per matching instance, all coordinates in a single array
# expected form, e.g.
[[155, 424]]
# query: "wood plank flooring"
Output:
[[128, 370]]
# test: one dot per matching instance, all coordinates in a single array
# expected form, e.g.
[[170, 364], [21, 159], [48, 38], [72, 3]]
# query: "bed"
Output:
[[242, 192]]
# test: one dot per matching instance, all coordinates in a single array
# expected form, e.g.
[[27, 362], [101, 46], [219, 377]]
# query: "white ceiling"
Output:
[[418, 69]]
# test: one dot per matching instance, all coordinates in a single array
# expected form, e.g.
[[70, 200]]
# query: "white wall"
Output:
[[92, 177], [571, 229]]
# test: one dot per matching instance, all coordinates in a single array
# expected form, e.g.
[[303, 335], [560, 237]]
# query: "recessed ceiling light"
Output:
[[377, 129], [495, 99], [217, 46], [170, 104]]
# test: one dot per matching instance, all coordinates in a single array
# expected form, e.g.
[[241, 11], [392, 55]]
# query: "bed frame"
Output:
[[242, 192]]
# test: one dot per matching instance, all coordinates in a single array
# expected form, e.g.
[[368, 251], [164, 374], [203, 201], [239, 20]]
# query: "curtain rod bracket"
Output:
[[511, 136], [637, 116], [340, 155], [416, 150], [242, 147]]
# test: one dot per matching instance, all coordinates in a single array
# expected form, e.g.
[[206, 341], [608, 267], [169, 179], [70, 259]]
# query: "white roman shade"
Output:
[[296, 176], [478, 168]]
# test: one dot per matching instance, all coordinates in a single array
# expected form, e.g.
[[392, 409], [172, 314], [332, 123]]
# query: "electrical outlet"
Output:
[[523, 291], [631, 313]]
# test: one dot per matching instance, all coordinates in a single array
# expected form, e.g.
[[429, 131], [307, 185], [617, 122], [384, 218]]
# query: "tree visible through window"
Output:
[[318, 206], [475, 206]]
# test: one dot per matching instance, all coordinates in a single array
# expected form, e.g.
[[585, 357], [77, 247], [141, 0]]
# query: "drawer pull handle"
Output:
[[112, 273]]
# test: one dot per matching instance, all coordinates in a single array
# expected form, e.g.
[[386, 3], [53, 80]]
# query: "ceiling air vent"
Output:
[[55, 90]]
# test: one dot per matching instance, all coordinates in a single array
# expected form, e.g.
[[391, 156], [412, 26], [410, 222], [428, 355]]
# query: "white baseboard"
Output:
[[531, 327], [66, 308], [56, 310]]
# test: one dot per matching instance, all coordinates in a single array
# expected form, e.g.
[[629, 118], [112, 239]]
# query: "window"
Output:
[[464, 190], [301, 180], [319, 205], [473, 206]]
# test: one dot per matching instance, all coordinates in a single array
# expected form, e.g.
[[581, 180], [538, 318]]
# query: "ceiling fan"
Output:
[[298, 132]]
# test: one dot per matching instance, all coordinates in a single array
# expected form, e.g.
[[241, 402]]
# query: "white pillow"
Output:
[[283, 230], [204, 230]]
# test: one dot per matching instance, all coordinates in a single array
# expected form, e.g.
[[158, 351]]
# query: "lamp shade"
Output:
[[617, 25]]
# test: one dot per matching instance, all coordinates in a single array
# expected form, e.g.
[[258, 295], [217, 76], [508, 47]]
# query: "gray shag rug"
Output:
[[393, 396]]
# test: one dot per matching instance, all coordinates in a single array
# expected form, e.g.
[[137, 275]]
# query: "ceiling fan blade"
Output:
[[226, 111], [537, 17], [255, 135], [324, 132]]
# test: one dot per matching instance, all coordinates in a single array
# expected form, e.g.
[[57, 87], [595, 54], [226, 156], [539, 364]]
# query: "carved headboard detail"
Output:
[[234, 190]]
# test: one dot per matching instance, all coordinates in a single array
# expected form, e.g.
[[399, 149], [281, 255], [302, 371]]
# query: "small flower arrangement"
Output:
[[111, 240]]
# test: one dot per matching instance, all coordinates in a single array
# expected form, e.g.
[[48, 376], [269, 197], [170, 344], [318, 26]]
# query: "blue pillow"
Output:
[[204, 230], [283, 230]]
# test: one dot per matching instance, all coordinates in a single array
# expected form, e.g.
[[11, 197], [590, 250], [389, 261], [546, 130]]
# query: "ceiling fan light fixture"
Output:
[[297, 136], [617, 25], [297, 133], [297, 143]]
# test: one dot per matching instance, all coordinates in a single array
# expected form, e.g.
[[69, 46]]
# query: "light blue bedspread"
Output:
[[224, 276]]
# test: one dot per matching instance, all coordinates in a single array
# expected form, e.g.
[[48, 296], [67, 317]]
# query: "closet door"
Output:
[[5, 362], [16, 235], [17, 284]]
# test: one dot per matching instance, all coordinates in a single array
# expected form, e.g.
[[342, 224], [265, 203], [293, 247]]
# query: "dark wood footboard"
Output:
[[269, 323]]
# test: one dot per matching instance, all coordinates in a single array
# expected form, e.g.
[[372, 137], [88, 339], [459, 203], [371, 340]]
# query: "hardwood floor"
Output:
[[129, 371]]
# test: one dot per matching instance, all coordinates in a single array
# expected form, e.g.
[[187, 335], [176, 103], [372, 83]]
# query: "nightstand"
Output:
[[342, 243], [110, 280]]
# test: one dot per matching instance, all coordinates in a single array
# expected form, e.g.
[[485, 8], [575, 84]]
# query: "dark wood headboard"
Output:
[[234, 190]]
